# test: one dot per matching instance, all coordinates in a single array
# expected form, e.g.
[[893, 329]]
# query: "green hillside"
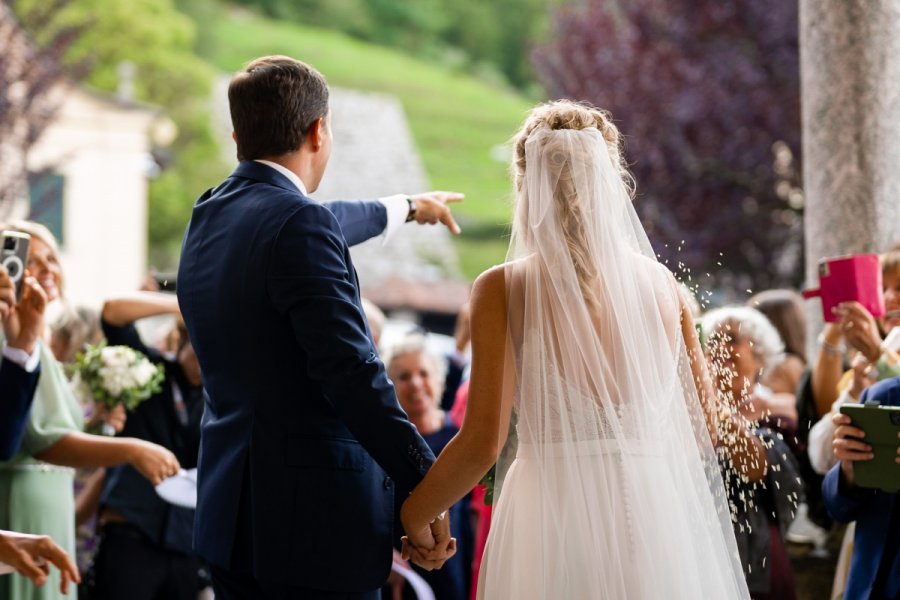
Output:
[[455, 119]]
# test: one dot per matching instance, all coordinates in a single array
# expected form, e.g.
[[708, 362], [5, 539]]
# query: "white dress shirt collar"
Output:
[[287, 173]]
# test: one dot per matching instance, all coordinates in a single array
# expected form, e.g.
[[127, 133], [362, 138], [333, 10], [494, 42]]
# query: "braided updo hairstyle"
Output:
[[566, 114]]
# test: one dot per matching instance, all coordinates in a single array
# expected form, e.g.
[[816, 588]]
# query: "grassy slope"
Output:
[[455, 119]]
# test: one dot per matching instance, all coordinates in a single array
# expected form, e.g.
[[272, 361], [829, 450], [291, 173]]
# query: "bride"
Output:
[[614, 488]]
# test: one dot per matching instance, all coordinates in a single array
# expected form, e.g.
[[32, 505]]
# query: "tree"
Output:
[[29, 96], [707, 94], [158, 39]]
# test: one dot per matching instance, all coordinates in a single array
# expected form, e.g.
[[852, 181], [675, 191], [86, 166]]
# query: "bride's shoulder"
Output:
[[499, 277], [646, 264], [490, 288], [492, 280]]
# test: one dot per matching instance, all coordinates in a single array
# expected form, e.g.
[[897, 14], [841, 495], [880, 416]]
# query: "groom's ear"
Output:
[[316, 134]]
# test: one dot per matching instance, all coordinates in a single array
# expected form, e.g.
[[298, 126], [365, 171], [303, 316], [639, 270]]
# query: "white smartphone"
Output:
[[14, 256]]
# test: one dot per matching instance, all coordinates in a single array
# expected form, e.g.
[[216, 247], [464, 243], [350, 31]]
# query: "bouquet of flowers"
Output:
[[112, 375]]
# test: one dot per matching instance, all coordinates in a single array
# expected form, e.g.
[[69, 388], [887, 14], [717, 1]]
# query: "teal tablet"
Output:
[[882, 427]]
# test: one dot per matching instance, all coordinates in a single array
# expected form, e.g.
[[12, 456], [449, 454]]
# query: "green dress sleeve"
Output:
[[55, 412]]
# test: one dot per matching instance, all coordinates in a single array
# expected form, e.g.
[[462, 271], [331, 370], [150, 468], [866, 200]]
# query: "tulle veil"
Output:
[[608, 486]]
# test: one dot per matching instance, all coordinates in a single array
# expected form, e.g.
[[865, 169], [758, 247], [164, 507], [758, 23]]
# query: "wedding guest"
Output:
[[36, 484], [784, 308], [70, 333], [861, 332], [875, 359], [145, 549], [74, 329], [741, 344], [875, 565], [785, 311], [19, 368], [418, 377]]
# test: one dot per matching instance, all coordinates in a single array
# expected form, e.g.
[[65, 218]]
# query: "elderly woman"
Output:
[[418, 377], [741, 344], [785, 310], [36, 493]]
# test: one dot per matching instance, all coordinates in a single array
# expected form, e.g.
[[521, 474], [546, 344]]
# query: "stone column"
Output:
[[850, 97]]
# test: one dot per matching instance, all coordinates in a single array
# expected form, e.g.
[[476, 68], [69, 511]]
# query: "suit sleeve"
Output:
[[359, 220], [17, 388], [843, 502], [310, 280]]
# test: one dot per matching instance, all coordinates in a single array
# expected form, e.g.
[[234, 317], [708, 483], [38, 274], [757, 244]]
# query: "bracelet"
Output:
[[412, 209], [830, 348]]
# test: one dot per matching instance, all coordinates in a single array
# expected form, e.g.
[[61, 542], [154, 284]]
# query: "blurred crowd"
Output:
[[67, 490]]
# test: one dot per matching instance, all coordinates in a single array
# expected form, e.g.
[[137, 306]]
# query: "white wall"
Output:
[[101, 147]]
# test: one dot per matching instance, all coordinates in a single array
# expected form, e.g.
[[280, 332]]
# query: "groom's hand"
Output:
[[432, 207], [435, 546]]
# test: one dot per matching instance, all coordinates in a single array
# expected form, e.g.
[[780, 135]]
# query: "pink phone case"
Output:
[[847, 278]]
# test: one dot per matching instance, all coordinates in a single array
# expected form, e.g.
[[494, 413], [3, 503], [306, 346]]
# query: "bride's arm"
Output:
[[472, 452], [746, 451], [702, 381]]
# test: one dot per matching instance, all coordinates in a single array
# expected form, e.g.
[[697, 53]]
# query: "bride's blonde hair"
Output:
[[567, 114]]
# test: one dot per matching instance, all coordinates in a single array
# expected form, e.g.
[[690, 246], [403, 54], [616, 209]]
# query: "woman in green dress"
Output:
[[36, 485]]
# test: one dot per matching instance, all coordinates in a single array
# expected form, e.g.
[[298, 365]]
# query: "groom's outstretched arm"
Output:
[[361, 220], [309, 280]]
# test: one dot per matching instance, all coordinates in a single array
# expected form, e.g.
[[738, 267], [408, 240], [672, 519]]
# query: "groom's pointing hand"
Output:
[[432, 207]]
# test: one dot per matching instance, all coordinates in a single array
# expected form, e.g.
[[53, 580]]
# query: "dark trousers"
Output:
[[231, 585], [128, 565]]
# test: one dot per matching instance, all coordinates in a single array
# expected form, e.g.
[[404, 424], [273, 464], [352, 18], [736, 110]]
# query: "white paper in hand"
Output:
[[180, 489]]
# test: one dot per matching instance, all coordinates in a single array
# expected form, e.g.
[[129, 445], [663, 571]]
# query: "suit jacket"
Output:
[[302, 422], [16, 393], [877, 516]]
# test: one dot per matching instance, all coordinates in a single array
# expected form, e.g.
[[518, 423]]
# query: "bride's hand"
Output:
[[426, 559], [429, 545]]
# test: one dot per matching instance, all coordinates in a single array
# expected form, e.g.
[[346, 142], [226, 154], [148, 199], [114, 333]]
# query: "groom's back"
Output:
[[266, 416]]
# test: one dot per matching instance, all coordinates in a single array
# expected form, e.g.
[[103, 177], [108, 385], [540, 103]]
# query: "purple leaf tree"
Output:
[[707, 94]]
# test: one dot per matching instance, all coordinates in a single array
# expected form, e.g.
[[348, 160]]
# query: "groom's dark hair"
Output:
[[274, 101]]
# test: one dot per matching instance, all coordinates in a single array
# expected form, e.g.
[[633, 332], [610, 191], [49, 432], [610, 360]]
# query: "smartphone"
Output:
[[14, 256]]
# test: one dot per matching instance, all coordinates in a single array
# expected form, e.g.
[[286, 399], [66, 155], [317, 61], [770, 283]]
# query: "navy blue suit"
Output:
[[16, 393], [875, 566], [303, 441]]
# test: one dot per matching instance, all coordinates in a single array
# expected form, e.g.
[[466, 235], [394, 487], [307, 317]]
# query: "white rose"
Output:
[[144, 372], [112, 380]]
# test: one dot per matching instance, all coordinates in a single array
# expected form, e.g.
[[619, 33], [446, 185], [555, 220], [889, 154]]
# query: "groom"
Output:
[[303, 442]]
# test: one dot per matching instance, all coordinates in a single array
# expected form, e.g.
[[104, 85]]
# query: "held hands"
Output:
[[31, 555], [432, 207], [429, 545]]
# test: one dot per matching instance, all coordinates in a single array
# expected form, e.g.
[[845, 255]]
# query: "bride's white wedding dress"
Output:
[[614, 490]]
